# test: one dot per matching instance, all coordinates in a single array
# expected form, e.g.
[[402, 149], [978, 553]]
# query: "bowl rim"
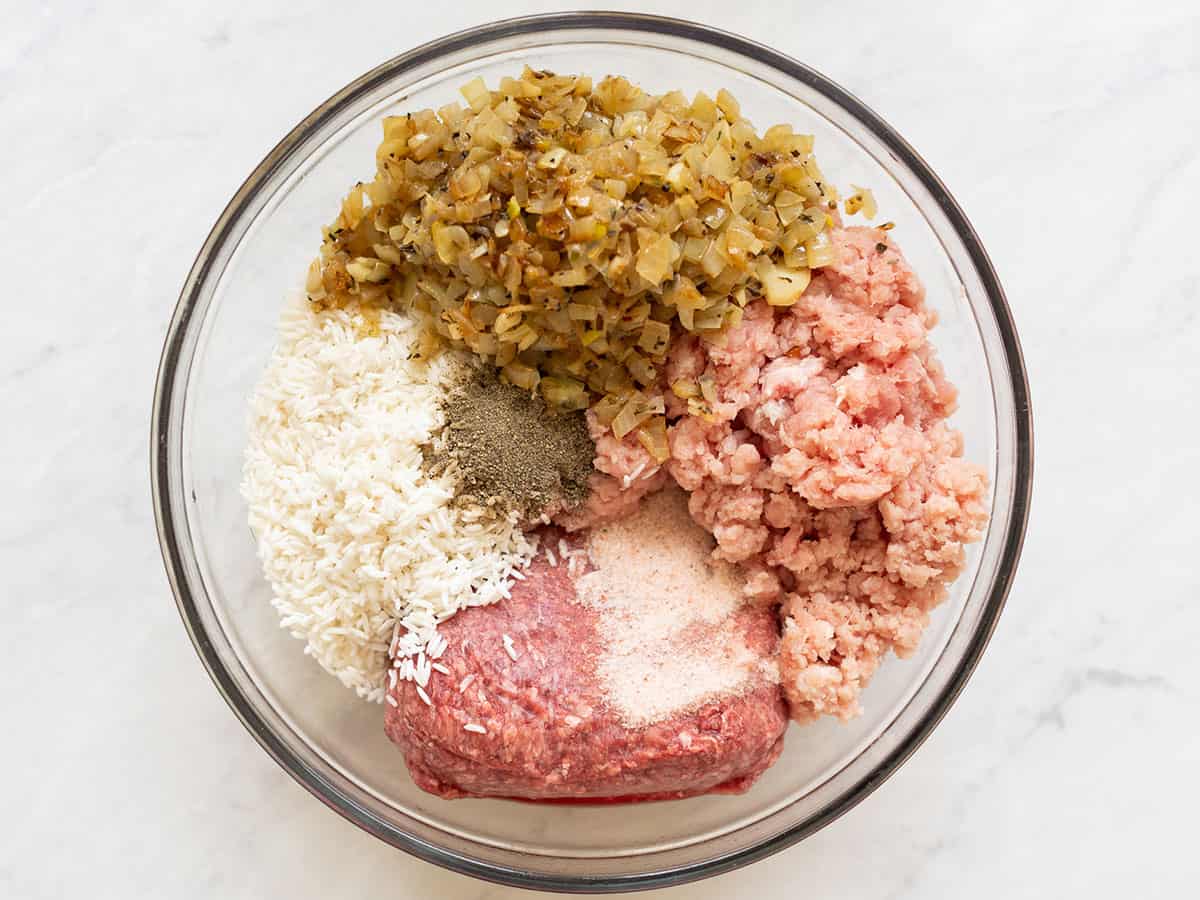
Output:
[[633, 23]]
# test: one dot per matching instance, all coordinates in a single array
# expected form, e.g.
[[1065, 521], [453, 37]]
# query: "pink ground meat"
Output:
[[625, 473], [826, 470]]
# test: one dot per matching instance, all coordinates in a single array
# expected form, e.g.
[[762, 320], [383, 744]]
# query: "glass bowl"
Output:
[[223, 331]]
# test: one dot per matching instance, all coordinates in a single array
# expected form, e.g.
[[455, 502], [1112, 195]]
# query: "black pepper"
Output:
[[511, 451]]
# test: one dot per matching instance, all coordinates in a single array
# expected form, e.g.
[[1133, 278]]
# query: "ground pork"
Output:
[[625, 473], [826, 470]]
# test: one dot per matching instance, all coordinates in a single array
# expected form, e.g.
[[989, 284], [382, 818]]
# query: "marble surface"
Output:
[[1069, 767]]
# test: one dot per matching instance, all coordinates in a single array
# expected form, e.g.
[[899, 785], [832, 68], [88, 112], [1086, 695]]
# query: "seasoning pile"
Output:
[[510, 451], [664, 611]]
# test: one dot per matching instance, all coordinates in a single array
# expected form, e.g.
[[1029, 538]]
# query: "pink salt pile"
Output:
[[671, 618], [826, 470]]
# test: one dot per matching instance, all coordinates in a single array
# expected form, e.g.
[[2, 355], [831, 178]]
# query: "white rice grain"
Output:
[[509, 648]]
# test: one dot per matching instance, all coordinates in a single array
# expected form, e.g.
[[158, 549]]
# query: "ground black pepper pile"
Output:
[[511, 450]]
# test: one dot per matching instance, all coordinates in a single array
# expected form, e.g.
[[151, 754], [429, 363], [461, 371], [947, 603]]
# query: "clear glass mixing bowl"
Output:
[[222, 333]]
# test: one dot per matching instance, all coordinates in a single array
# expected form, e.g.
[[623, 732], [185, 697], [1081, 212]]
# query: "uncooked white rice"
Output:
[[364, 551], [438, 644], [631, 477], [509, 648], [477, 729]]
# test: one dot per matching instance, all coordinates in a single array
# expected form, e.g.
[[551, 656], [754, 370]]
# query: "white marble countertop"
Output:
[[1071, 764]]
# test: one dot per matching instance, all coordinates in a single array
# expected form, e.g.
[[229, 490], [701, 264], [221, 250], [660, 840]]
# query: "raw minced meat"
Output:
[[625, 473], [826, 468]]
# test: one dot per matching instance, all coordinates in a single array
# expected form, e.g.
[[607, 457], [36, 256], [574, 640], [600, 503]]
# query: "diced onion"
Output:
[[637, 409], [861, 200], [564, 393], [566, 231], [654, 260], [476, 94], [606, 408], [552, 158], [820, 251], [372, 271], [641, 369], [655, 337], [782, 286], [653, 436], [521, 375]]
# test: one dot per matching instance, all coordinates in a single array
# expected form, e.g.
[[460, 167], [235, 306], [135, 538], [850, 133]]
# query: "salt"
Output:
[[666, 614]]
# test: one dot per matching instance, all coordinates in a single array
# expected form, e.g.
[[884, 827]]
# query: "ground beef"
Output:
[[550, 732], [827, 469]]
